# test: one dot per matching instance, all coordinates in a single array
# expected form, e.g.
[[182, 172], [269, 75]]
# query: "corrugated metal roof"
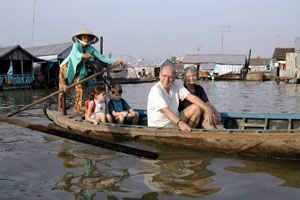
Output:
[[259, 61], [53, 49], [145, 63], [215, 58], [10, 53], [280, 52], [297, 43], [207, 66], [6, 50], [167, 63]]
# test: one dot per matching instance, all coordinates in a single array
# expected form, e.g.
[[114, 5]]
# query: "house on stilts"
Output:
[[16, 68]]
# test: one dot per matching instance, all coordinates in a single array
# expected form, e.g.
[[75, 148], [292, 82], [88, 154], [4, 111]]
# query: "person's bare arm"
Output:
[[116, 114], [87, 116], [208, 113], [175, 119]]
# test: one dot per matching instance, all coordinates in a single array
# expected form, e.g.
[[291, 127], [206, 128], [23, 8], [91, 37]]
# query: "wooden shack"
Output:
[[293, 62], [16, 68], [279, 58]]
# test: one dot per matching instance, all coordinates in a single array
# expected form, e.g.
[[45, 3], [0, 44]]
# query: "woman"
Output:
[[190, 78], [72, 69]]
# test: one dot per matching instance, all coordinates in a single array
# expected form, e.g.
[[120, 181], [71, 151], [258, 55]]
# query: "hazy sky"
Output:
[[156, 28]]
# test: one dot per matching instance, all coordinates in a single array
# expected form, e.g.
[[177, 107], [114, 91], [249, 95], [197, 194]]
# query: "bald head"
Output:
[[167, 77], [169, 69]]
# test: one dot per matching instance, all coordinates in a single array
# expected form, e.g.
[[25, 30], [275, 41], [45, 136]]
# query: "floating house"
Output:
[[16, 67], [144, 68], [279, 62], [219, 64], [52, 55], [293, 62], [260, 64]]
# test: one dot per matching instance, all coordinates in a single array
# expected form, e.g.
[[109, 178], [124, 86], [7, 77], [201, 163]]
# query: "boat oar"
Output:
[[94, 67], [80, 138], [59, 91]]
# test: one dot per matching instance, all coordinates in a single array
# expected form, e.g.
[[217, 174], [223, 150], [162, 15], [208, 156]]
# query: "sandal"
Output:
[[78, 111]]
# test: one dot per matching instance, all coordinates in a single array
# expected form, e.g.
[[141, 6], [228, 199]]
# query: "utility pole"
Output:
[[198, 48], [225, 30], [278, 38], [32, 36]]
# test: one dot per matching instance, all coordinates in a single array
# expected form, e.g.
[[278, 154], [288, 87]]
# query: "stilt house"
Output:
[[16, 67]]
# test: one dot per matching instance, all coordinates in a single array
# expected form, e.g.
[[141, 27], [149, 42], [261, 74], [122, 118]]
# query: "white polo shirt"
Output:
[[158, 98]]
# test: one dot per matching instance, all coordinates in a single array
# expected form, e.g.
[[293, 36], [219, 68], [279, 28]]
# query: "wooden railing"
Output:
[[16, 79]]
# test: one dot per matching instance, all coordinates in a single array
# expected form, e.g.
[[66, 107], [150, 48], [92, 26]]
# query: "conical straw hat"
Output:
[[85, 32]]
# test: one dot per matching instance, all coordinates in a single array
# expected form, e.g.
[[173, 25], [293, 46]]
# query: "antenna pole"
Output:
[[32, 37]]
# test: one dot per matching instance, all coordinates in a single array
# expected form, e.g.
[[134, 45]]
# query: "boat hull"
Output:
[[266, 143]]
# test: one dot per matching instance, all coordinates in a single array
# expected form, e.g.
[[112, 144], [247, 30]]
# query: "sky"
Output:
[[155, 29]]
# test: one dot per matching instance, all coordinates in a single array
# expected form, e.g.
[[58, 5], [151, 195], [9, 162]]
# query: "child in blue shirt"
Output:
[[119, 108]]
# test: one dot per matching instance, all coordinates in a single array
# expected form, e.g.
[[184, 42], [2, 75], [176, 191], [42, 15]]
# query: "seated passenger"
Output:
[[96, 108], [190, 78], [163, 102], [120, 109]]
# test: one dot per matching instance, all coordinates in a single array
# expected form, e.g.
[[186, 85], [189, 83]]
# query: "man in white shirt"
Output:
[[163, 102]]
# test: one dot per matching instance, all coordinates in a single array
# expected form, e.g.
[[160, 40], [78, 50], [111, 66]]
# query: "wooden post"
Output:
[[32, 71], [64, 104], [101, 45], [22, 70], [107, 84]]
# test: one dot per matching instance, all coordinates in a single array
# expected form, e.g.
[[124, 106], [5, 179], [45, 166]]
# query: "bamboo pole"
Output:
[[59, 91], [101, 77], [80, 138]]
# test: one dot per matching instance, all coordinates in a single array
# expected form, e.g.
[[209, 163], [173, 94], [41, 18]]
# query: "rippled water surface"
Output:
[[34, 165]]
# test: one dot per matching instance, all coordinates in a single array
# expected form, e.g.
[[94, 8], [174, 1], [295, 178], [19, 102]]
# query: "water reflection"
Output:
[[198, 173], [288, 171], [88, 174], [181, 175]]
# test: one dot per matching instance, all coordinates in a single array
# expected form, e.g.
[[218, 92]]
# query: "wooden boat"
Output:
[[229, 76], [266, 135], [255, 76]]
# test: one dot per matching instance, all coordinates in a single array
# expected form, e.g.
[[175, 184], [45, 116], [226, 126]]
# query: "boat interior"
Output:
[[229, 120]]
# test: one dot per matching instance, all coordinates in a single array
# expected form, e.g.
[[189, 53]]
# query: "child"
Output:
[[120, 109], [72, 69], [96, 107]]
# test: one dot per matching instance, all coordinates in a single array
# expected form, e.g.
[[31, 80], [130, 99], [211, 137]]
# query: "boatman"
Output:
[[163, 102], [72, 69]]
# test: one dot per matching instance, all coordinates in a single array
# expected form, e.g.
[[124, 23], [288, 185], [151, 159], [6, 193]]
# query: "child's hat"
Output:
[[85, 32]]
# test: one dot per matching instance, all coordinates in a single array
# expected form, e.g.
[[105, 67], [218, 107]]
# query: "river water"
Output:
[[34, 165]]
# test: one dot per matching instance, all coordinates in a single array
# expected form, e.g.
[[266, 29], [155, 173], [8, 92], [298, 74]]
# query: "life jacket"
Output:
[[87, 103]]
